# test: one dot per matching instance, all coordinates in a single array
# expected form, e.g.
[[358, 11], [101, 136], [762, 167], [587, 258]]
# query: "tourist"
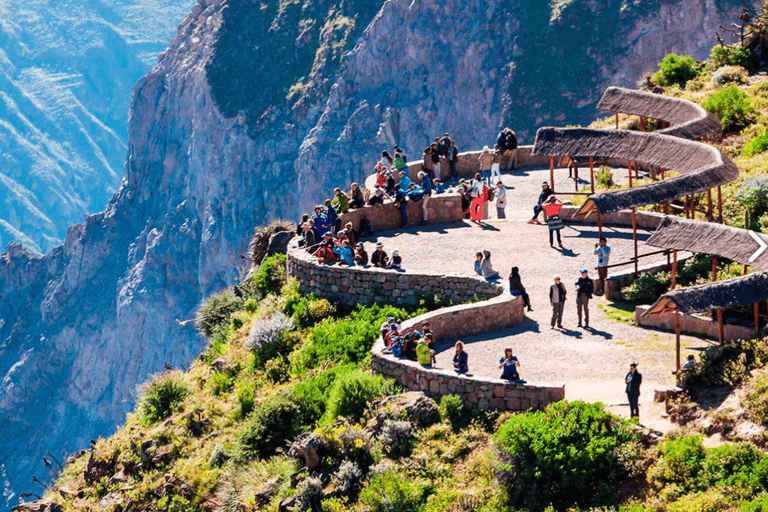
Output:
[[466, 197], [331, 217], [320, 221], [479, 263], [395, 345], [690, 364], [476, 192], [349, 233], [496, 165], [379, 258], [603, 254], [584, 289], [434, 157], [633, 381], [510, 149], [381, 175], [390, 188], [361, 257], [378, 196], [428, 339], [557, 300], [488, 272], [426, 164], [365, 228], [308, 236], [340, 201], [438, 186], [552, 207], [501, 200], [356, 199], [426, 188], [510, 363], [410, 339], [300, 225], [399, 163], [460, 359], [442, 145], [397, 260], [405, 182], [453, 158], [401, 202], [415, 193], [426, 329], [545, 193], [516, 287], [386, 160], [423, 353], [325, 253], [345, 253], [486, 161]]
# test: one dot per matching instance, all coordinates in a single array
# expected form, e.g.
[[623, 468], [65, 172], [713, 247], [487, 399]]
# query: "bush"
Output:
[[347, 477], [452, 410], [647, 288], [730, 75], [573, 453], [676, 69], [246, 391], [731, 56], [353, 393], [756, 400], [163, 396], [605, 177], [267, 338], [680, 463], [753, 195], [280, 418], [728, 364], [305, 311], [397, 437], [220, 383], [733, 108], [271, 275], [391, 492], [214, 315], [309, 493]]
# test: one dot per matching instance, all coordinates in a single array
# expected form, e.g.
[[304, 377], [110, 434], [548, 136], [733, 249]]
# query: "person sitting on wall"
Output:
[[365, 228], [429, 340], [399, 163], [379, 258], [319, 221], [350, 233], [397, 260], [414, 192], [309, 236], [386, 160], [410, 339], [390, 187], [377, 196], [381, 175], [361, 257], [424, 355], [486, 267], [437, 187], [300, 225], [340, 201], [516, 287], [325, 253], [479, 263], [510, 363], [405, 182], [395, 345], [345, 253], [356, 199], [460, 359], [545, 193]]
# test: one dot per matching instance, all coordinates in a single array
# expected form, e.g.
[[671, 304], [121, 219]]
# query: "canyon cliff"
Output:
[[255, 112]]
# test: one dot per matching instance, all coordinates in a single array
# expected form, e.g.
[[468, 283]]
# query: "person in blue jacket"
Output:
[[510, 363], [331, 216], [460, 359], [320, 222], [345, 253]]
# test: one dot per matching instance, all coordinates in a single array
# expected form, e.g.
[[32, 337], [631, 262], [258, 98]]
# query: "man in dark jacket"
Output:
[[584, 289], [545, 193], [633, 381], [557, 299]]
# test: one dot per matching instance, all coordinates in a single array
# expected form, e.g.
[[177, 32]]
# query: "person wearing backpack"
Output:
[[511, 150], [476, 193], [486, 161]]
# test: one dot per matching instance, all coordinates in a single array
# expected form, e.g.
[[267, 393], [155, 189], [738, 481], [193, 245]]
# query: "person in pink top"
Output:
[[552, 207]]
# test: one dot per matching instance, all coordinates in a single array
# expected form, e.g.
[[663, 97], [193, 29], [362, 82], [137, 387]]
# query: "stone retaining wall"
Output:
[[440, 208], [361, 285], [449, 324]]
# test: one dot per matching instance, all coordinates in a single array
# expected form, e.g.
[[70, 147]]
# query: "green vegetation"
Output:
[[731, 56], [161, 397], [733, 107], [676, 69]]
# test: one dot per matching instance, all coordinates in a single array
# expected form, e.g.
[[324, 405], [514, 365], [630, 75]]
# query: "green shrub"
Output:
[[271, 275], [737, 465], [756, 399], [605, 177], [647, 288], [313, 393], [733, 108], [676, 69], [269, 338], [573, 453], [759, 504], [392, 492], [730, 75], [397, 438], [309, 494], [753, 197], [353, 393], [731, 56], [246, 391], [271, 425], [452, 410], [728, 364], [215, 314], [220, 383], [161, 397], [680, 463]]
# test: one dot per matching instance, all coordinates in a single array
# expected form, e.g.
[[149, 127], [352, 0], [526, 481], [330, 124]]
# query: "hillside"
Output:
[[84, 324]]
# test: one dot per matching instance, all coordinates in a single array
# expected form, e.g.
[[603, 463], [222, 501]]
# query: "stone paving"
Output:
[[591, 363]]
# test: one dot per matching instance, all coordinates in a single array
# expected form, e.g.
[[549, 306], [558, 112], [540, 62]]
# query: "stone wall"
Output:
[[440, 208], [449, 324], [361, 285]]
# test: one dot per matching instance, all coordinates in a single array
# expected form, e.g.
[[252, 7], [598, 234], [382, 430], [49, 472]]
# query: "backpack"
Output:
[[490, 194], [511, 141]]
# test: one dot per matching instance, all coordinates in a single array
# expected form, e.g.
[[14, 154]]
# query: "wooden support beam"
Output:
[[709, 205], [575, 177], [662, 174], [714, 268], [629, 170], [634, 239], [617, 120], [637, 170], [665, 208], [719, 204], [642, 124], [592, 173], [720, 328], [677, 342], [674, 269], [552, 173]]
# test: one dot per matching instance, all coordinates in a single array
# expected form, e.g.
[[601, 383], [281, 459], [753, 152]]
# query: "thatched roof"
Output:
[[710, 238], [739, 291], [701, 167], [687, 119]]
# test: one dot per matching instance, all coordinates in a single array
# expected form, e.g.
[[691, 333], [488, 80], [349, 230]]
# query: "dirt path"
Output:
[[591, 363]]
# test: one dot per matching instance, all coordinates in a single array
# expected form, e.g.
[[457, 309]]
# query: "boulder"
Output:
[[44, 505], [417, 407], [306, 447], [278, 243]]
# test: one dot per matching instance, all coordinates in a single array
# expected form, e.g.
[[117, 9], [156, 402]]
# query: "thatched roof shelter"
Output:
[[737, 291], [701, 167], [710, 238], [687, 119]]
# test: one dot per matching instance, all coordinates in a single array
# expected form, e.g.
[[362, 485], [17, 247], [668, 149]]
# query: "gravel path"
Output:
[[591, 363]]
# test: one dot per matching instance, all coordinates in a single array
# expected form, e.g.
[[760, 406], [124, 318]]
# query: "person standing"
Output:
[[453, 158], [545, 193], [476, 192], [552, 207], [584, 289], [426, 189], [633, 381], [496, 165], [501, 200], [603, 254], [486, 161], [460, 359], [557, 300]]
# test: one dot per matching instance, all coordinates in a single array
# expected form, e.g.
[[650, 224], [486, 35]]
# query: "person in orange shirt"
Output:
[[552, 207]]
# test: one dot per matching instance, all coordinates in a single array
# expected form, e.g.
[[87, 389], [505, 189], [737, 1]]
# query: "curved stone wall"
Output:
[[450, 324]]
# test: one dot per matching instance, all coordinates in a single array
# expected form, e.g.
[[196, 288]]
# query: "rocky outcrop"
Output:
[[81, 326]]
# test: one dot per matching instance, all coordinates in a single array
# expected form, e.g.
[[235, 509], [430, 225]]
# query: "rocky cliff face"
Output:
[[66, 72], [84, 324]]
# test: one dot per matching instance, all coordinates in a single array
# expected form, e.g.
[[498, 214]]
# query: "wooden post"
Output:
[[634, 239], [674, 269], [629, 169], [552, 173], [575, 176], [637, 170], [693, 206], [617, 120], [599, 226], [662, 174], [642, 124], [714, 268], [677, 342], [719, 205], [757, 318], [720, 328], [709, 204], [665, 208], [592, 173]]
